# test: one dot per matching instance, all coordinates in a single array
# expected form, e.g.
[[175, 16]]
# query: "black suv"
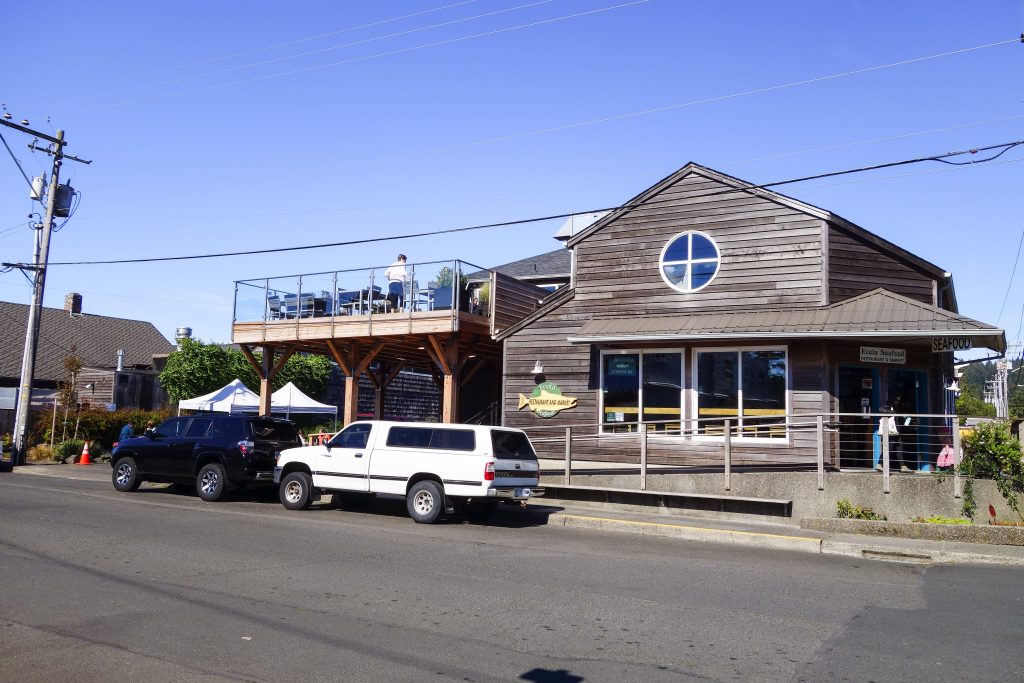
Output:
[[210, 451]]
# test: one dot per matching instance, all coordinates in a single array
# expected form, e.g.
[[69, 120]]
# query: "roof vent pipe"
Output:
[[182, 333], [120, 360]]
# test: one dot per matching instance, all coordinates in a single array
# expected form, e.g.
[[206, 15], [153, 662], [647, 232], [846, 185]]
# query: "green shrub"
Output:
[[68, 449], [990, 452], [938, 519], [102, 426], [847, 510]]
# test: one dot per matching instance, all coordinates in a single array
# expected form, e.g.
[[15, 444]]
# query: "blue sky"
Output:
[[217, 126]]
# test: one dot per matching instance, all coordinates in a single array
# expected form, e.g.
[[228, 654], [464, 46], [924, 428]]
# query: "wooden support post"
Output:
[[821, 452], [447, 358], [568, 454], [265, 391], [378, 396], [728, 455], [957, 483], [885, 454], [643, 456]]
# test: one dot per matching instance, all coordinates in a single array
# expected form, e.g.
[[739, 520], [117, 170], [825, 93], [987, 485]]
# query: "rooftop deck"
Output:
[[433, 319]]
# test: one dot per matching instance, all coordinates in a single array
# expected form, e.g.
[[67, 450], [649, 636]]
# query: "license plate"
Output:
[[521, 493]]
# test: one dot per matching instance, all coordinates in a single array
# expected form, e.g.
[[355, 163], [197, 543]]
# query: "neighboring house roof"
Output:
[[96, 339], [838, 221], [875, 314], [554, 264]]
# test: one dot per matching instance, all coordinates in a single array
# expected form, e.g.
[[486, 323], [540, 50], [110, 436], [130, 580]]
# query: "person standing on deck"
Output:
[[397, 279]]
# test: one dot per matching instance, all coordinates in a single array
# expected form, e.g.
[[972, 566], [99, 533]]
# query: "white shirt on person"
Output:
[[396, 272]]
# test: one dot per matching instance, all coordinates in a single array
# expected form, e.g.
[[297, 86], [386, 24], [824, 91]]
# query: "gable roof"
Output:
[[553, 264], [838, 221], [96, 339], [875, 314]]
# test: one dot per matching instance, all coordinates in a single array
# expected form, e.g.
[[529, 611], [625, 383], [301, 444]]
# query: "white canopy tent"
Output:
[[233, 397], [290, 399]]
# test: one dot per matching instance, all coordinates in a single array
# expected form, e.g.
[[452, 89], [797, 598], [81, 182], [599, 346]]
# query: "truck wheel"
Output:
[[425, 502], [296, 491], [126, 475], [210, 482]]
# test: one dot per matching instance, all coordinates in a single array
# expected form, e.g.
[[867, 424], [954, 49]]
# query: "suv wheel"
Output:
[[425, 502], [297, 491], [126, 475], [210, 482]]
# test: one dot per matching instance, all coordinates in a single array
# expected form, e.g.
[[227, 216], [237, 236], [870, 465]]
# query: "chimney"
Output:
[[73, 303]]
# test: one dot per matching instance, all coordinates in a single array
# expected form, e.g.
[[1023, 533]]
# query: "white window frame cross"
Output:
[[686, 284]]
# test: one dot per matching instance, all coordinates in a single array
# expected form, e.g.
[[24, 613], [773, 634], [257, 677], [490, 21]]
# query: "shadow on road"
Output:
[[511, 515]]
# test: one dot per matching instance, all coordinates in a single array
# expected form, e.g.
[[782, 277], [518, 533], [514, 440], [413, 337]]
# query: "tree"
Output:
[[968, 403], [197, 368]]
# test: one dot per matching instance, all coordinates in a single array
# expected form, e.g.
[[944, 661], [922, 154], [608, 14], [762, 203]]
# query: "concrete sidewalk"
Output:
[[738, 533]]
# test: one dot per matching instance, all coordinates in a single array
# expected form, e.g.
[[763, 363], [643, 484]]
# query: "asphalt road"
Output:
[[159, 586]]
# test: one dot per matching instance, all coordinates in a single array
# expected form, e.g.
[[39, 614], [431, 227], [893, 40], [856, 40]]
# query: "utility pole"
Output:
[[42, 254]]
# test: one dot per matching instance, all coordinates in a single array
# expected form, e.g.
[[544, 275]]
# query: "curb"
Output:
[[690, 533], [902, 554]]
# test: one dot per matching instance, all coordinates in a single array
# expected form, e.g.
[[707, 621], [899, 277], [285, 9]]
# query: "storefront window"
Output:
[[621, 383], [746, 387], [717, 390], [645, 383], [764, 393], [662, 391]]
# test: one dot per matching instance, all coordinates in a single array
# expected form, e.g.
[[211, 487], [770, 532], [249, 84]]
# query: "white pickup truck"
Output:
[[434, 466]]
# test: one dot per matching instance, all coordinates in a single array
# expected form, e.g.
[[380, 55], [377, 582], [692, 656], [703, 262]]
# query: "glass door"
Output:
[[858, 394]]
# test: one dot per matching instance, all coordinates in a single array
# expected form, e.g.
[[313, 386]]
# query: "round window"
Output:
[[689, 261]]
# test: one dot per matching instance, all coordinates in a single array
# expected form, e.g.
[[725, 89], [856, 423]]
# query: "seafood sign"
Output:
[[546, 400]]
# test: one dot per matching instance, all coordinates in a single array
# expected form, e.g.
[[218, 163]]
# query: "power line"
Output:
[[271, 47], [1013, 272], [581, 124], [449, 41], [428, 233], [315, 52], [16, 162], [563, 186]]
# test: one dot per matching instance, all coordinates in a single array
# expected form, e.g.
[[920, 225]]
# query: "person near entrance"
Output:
[[397, 279], [887, 421], [903, 448]]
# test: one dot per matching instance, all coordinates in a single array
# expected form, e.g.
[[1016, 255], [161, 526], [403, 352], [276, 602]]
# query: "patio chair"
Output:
[[306, 308], [291, 306], [273, 307]]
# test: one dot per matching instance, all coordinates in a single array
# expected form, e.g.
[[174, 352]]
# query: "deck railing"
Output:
[[864, 442], [430, 286]]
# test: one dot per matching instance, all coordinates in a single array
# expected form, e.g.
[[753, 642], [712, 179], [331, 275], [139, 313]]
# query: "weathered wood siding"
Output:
[[771, 255], [575, 369], [856, 266], [512, 300], [102, 391]]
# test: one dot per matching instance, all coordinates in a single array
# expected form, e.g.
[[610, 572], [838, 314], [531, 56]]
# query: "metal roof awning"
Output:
[[878, 314]]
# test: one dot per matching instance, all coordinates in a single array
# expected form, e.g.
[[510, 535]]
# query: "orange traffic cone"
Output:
[[85, 459]]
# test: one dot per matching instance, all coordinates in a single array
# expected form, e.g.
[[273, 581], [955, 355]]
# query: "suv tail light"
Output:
[[489, 472], [246, 447]]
